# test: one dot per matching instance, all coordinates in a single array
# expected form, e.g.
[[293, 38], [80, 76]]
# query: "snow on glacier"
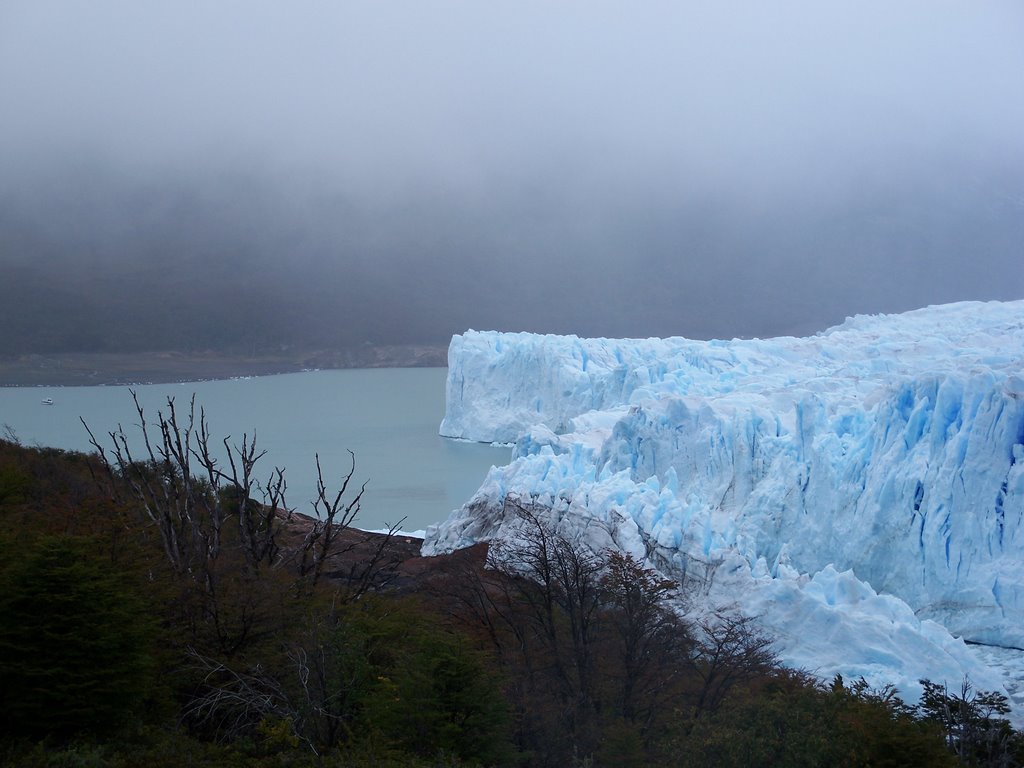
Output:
[[861, 490]]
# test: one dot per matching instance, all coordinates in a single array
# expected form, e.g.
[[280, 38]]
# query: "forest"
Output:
[[166, 607]]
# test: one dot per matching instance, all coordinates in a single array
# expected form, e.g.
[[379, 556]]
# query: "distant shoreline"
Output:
[[84, 369]]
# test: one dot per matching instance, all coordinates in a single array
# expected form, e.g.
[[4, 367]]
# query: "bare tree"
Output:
[[589, 637], [10, 435], [974, 723], [315, 694], [729, 650], [206, 507], [650, 641], [229, 703], [189, 498], [557, 581]]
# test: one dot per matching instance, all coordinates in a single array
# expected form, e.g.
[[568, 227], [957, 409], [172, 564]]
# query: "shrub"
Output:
[[74, 642]]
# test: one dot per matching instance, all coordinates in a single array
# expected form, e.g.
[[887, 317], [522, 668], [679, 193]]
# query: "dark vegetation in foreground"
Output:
[[154, 614]]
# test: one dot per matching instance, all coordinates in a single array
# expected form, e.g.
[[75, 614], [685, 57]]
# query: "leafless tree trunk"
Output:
[[199, 507], [562, 593], [187, 496], [232, 703], [650, 641], [333, 518], [729, 650], [549, 599]]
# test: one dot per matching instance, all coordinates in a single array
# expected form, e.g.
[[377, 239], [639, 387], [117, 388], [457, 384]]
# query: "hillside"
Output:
[[129, 638], [95, 368]]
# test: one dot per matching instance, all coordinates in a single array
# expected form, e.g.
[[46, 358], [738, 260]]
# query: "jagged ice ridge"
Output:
[[860, 490]]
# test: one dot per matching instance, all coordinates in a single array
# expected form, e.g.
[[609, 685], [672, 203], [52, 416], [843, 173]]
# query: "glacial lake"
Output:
[[388, 417]]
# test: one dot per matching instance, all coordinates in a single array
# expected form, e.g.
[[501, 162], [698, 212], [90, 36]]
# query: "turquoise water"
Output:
[[388, 417]]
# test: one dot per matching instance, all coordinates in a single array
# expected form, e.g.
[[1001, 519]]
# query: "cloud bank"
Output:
[[402, 171]]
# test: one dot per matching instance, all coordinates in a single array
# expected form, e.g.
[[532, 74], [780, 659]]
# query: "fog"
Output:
[[251, 174]]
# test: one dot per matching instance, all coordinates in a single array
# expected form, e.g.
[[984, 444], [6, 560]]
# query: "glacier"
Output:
[[860, 491]]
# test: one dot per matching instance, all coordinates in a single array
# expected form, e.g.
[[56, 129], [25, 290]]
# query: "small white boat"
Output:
[[47, 401]]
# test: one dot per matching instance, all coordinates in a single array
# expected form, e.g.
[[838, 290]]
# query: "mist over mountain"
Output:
[[98, 261], [335, 175]]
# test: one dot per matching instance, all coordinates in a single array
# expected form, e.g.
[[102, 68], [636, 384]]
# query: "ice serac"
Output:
[[886, 452]]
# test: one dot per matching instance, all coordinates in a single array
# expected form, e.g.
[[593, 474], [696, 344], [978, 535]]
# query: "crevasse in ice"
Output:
[[861, 490]]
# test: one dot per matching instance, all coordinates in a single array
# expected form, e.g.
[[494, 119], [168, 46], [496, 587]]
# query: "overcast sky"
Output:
[[715, 168]]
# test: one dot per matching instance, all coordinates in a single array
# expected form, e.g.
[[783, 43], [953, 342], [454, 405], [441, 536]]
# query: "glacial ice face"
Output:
[[889, 447]]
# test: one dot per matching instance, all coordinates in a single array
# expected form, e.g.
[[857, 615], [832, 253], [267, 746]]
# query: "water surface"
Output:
[[388, 417]]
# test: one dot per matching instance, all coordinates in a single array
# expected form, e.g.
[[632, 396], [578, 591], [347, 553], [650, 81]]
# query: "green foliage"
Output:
[[109, 657], [974, 725], [14, 485], [377, 676], [74, 642], [45, 756], [331, 670], [622, 745], [437, 697], [782, 728], [794, 722], [277, 734]]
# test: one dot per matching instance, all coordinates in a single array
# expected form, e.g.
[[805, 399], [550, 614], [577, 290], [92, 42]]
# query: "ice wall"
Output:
[[889, 447]]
